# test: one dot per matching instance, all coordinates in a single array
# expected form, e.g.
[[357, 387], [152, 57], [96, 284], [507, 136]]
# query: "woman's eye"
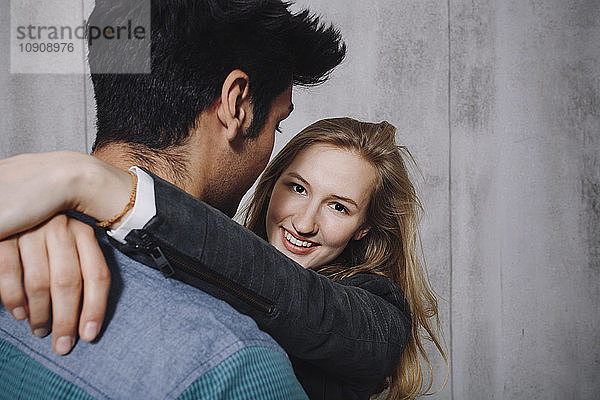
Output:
[[298, 188], [339, 207]]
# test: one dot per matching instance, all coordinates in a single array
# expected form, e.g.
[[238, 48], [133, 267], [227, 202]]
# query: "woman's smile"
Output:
[[296, 245]]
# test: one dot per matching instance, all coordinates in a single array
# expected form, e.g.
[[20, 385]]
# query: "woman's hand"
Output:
[[51, 261], [34, 187]]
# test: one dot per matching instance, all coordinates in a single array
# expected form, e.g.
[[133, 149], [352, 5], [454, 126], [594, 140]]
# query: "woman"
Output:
[[337, 200], [386, 244]]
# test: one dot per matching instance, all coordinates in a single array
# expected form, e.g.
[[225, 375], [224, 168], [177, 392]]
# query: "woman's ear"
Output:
[[361, 232], [234, 105]]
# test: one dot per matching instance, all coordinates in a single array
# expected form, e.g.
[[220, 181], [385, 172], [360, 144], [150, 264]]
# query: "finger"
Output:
[[96, 280], [65, 285], [36, 277], [11, 284]]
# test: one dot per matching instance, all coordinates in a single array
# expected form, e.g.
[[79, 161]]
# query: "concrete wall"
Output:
[[499, 101], [525, 180]]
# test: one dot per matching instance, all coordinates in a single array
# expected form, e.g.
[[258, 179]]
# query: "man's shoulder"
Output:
[[142, 295], [161, 336]]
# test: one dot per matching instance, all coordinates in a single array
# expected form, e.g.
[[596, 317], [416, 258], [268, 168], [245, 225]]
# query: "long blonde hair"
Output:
[[392, 248]]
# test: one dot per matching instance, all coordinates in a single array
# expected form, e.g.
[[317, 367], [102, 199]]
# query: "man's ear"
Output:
[[234, 104], [361, 232]]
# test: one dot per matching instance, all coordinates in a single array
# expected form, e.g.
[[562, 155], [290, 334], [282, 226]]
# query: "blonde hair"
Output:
[[392, 248]]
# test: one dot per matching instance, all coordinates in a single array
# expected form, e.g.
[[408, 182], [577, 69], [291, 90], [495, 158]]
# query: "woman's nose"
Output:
[[305, 221]]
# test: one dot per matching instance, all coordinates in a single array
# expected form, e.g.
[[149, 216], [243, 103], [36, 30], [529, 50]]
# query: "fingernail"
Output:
[[41, 332], [19, 313], [90, 331], [64, 344]]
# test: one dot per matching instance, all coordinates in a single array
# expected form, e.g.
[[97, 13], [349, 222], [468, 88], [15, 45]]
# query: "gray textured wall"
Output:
[[499, 101]]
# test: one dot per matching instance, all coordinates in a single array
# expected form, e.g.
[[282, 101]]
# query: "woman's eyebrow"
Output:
[[297, 176], [346, 199]]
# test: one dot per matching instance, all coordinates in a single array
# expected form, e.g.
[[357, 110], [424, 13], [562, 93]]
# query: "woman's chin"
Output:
[[300, 259]]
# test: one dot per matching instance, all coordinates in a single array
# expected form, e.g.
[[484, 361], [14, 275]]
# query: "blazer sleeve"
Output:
[[355, 328]]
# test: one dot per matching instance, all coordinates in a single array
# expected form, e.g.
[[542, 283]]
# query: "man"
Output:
[[204, 120]]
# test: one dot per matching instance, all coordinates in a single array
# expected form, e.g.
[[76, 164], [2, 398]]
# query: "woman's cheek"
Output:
[[346, 229], [277, 206], [336, 233], [289, 206]]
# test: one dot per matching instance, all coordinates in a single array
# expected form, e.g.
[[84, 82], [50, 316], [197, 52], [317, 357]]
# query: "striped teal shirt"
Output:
[[251, 373]]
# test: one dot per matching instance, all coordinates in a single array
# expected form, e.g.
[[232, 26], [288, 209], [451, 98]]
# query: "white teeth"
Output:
[[295, 241]]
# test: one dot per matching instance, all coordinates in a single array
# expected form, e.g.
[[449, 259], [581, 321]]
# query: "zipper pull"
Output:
[[142, 240], [161, 262]]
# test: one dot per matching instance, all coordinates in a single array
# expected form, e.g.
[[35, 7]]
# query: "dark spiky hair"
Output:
[[195, 44]]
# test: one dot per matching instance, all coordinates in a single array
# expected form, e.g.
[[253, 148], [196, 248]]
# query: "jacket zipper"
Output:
[[169, 263]]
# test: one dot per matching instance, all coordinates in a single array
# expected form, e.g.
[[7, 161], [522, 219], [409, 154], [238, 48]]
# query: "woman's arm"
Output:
[[341, 327], [349, 330], [35, 187]]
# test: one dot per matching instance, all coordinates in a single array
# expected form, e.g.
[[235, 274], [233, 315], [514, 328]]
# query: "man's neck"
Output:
[[170, 165]]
